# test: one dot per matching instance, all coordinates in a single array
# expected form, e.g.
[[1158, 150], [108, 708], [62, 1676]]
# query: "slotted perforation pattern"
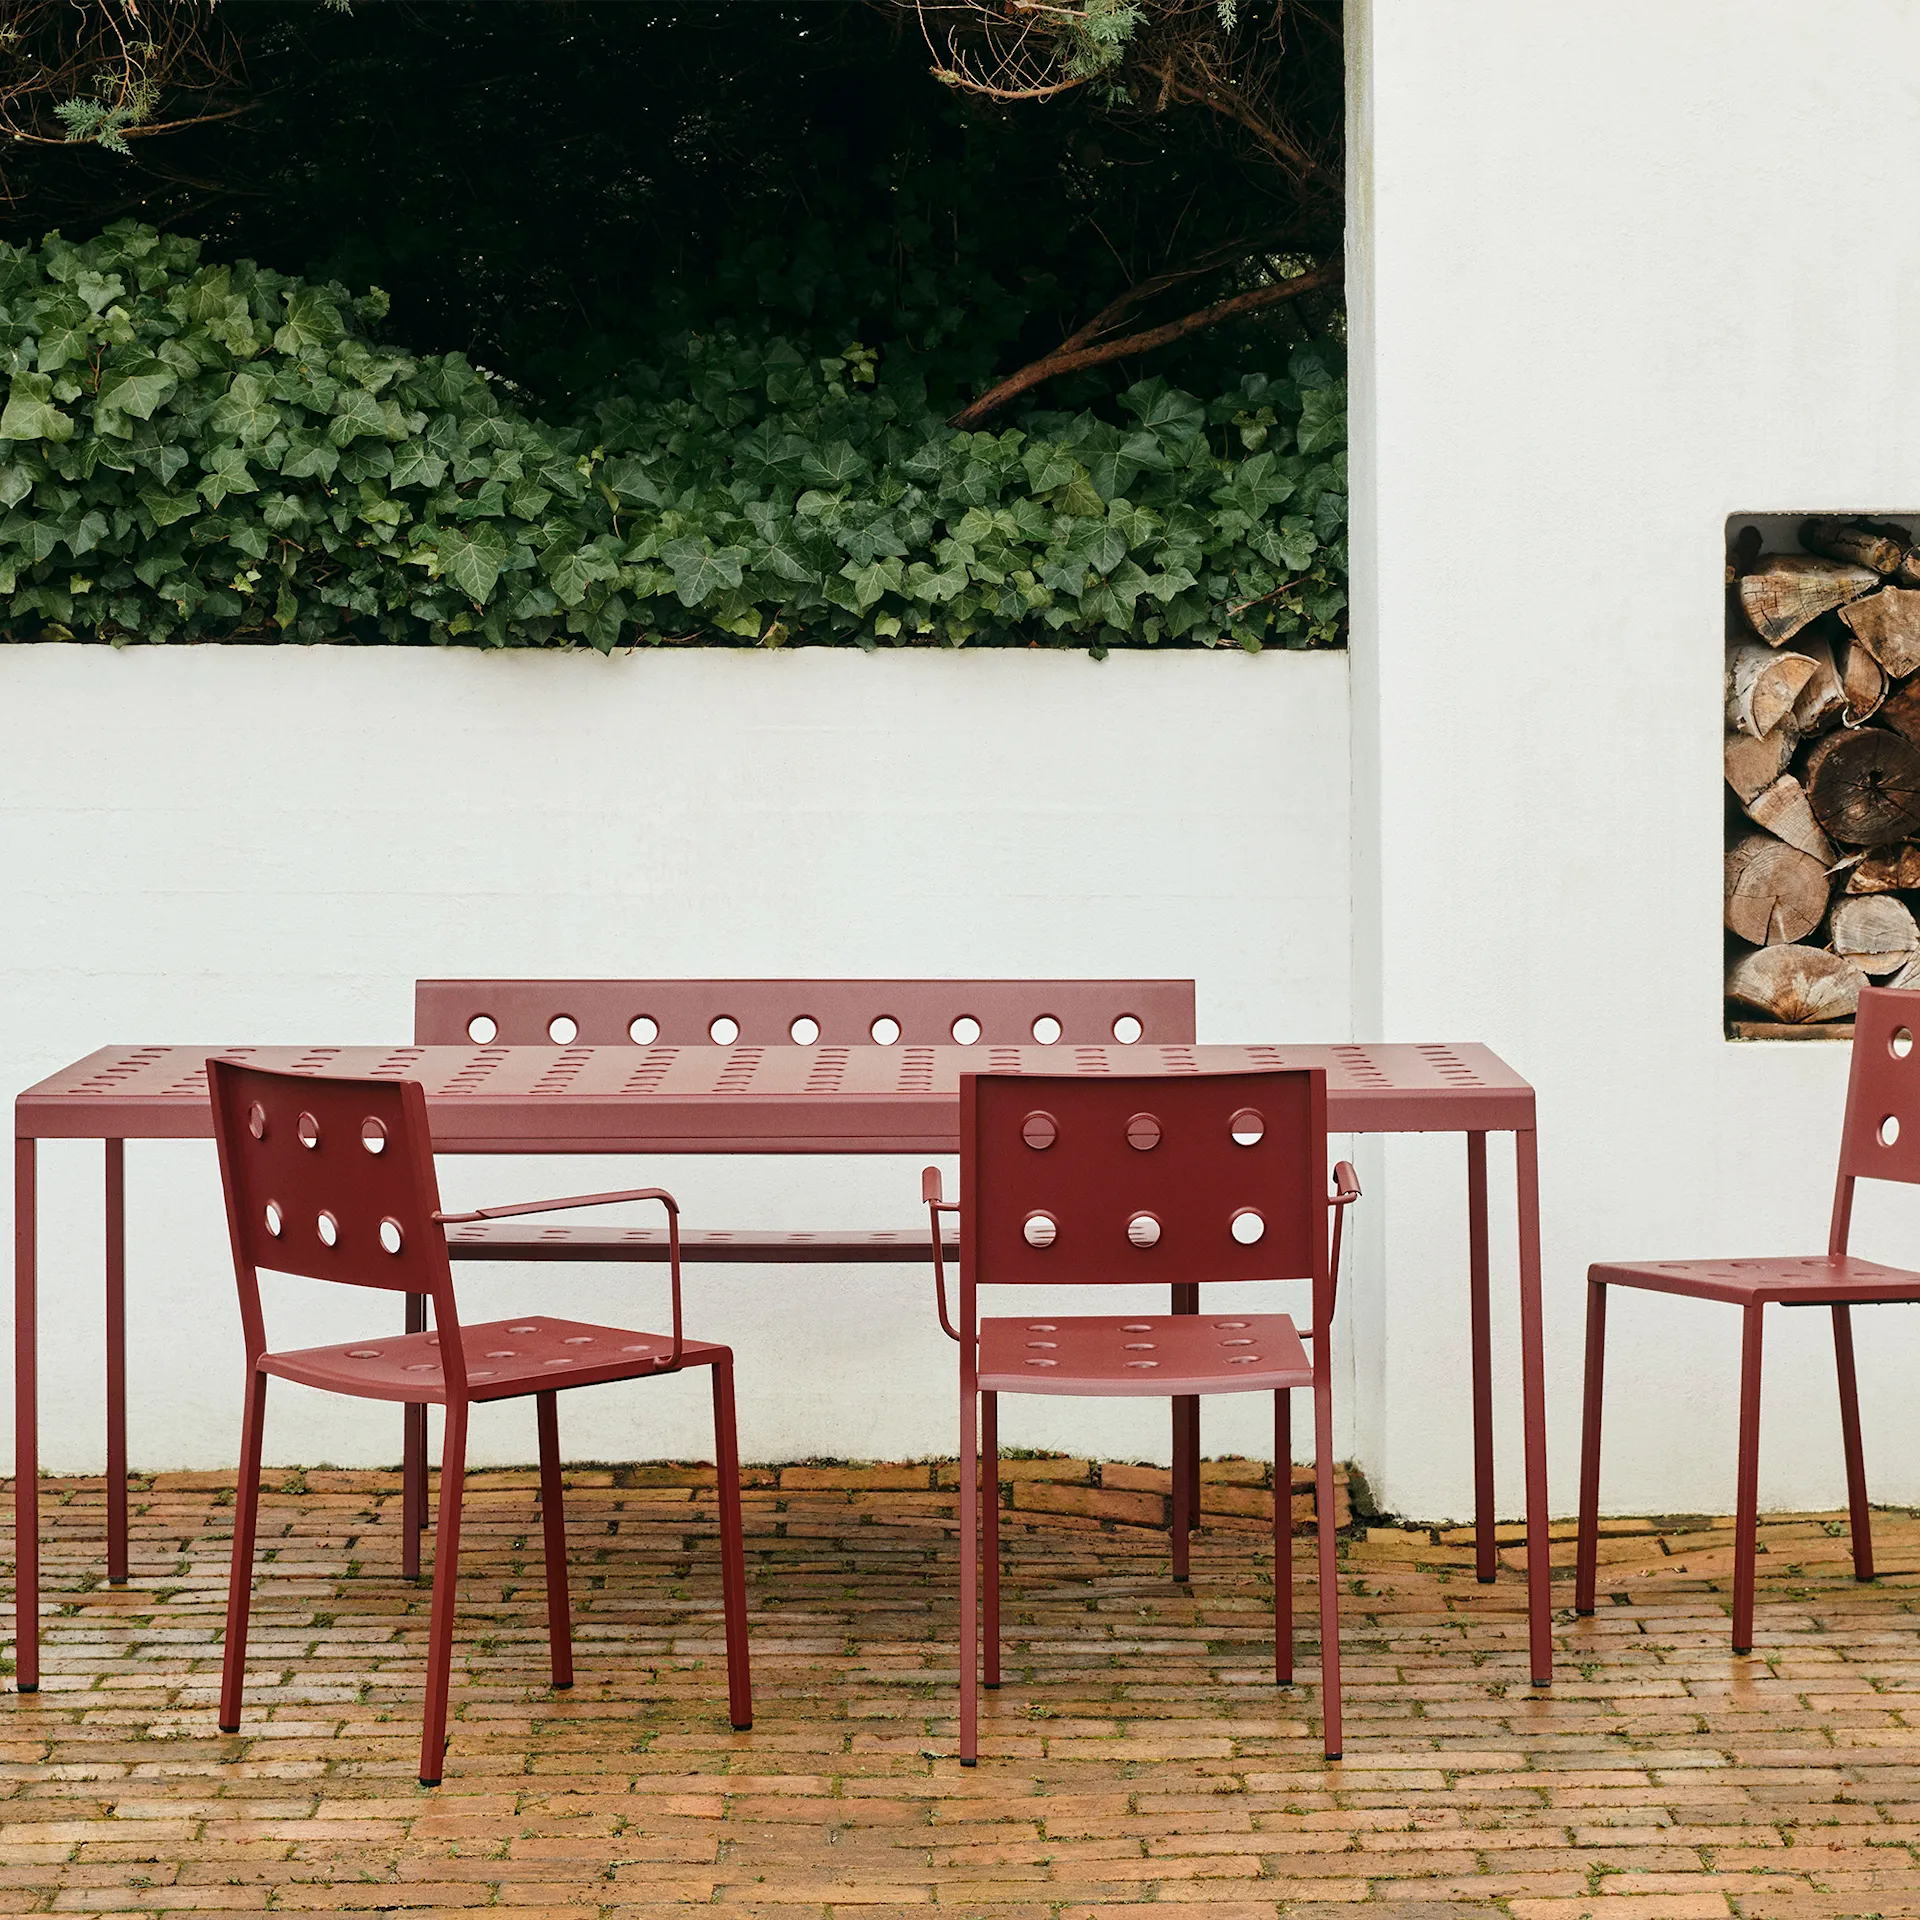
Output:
[[737, 1075], [560, 1076], [651, 1070], [828, 1069]]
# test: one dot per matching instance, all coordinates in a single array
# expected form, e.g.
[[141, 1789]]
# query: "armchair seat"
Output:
[[1824, 1280], [1150, 1355], [505, 1359]]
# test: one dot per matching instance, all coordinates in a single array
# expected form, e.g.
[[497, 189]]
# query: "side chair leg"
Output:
[[969, 1575], [1859, 1514], [1182, 1511], [733, 1551], [1283, 1538], [246, 1517], [990, 1535], [1486, 1548], [553, 1533], [116, 1223], [1747, 1496], [446, 1580], [1587, 1553], [413, 1461], [1329, 1571]]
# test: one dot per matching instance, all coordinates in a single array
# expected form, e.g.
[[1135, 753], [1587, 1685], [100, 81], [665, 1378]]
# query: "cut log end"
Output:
[[1775, 894], [1786, 590], [1796, 985]]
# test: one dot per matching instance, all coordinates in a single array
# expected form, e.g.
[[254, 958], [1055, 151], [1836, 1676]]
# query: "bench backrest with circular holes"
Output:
[[1169, 1178], [834, 1013]]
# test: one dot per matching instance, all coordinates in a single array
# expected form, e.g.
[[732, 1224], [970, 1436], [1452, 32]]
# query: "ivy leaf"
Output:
[[834, 465], [472, 559], [226, 473], [1323, 418], [415, 466], [138, 388], [1171, 416], [355, 412], [312, 320], [1048, 466], [30, 415], [701, 570], [245, 411], [1291, 544]]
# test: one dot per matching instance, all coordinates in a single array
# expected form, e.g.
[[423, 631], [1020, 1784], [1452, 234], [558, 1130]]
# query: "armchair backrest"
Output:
[[1880, 1134], [331, 1179], [837, 1013], [1173, 1178]]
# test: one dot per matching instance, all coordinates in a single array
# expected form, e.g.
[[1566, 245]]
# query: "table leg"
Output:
[[1533, 1399], [1485, 1546], [116, 1362], [26, 1428], [1186, 1424]]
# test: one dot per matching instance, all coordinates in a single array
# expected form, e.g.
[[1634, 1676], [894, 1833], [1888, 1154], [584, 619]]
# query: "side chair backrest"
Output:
[[834, 1013], [1163, 1178], [329, 1178], [1880, 1137]]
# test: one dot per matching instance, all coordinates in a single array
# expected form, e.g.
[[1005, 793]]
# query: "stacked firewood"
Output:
[[1823, 763]]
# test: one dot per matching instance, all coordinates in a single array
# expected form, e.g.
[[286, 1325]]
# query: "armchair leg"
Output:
[[553, 1530], [1282, 1539], [969, 1575], [1329, 1570], [413, 1461], [1587, 1553], [446, 1579], [246, 1515], [733, 1552], [990, 1534], [1747, 1498], [1182, 1516], [1858, 1513]]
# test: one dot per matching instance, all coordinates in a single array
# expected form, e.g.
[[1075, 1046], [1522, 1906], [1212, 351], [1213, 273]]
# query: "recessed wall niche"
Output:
[[1822, 768]]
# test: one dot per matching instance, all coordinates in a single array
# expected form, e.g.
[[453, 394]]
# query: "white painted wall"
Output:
[[1594, 311], [269, 844]]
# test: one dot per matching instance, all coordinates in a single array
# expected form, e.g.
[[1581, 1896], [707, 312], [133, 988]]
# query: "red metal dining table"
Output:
[[757, 1099]]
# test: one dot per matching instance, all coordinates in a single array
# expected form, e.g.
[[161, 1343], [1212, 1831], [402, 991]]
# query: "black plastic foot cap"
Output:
[[1585, 1613], [562, 1686], [1543, 1680], [28, 1686], [116, 1580], [743, 1726], [224, 1728], [992, 1686], [425, 1782], [1736, 1650], [1485, 1579], [1333, 1756], [965, 1762]]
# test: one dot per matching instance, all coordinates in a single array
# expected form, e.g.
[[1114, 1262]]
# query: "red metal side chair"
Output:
[[764, 1013], [1162, 1180], [1879, 1140], [333, 1179]]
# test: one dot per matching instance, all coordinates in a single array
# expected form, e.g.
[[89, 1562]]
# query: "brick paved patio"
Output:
[[1136, 1755]]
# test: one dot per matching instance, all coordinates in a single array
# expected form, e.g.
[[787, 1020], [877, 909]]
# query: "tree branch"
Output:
[[1070, 356]]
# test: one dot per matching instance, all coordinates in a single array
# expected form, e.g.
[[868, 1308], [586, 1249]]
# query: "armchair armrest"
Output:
[[671, 1363], [931, 1192], [1346, 1185]]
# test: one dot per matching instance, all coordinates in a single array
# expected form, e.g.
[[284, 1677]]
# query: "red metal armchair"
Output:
[[332, 1179], [1163, 1181], [1879, 1140]]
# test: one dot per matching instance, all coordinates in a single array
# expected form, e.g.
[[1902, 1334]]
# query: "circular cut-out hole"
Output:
[[390, 1235], [373, 1134], [1144, 1230], [308, 1128], [328, 1228], [1043, 1343], [503, 1353], [1140, 1346], [1127, 1029], [578, 1340], [1236, 1343], [885, 1030], [1888, 1130], [724, 1031], [1138, 1326], [1039, 1130], [363, 1353], [523, 1329], [257, 1121], [1902, 1043], [804, 1031], [563, 1029], [1247, 1127], [275, 1219], [1046, 1030], [1242, 1359], [966, 1030], [1040, 1229], [1143, 1133], [481, 1029], [1248, 1226], [1221, 1326], [1043, 1363], [1043, 1326], [421, 1366], [1143, 1363], [642, 1031], [557, 1363]]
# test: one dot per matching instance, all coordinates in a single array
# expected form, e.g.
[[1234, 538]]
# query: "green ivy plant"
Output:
[[213, 452]]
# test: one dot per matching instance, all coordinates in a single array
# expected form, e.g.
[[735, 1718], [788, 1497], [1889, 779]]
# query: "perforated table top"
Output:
[[747, 1099]]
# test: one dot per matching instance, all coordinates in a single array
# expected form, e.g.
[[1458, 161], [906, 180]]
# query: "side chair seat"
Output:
[[1153, 1355], [505, 1360], [1825, 1280]]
